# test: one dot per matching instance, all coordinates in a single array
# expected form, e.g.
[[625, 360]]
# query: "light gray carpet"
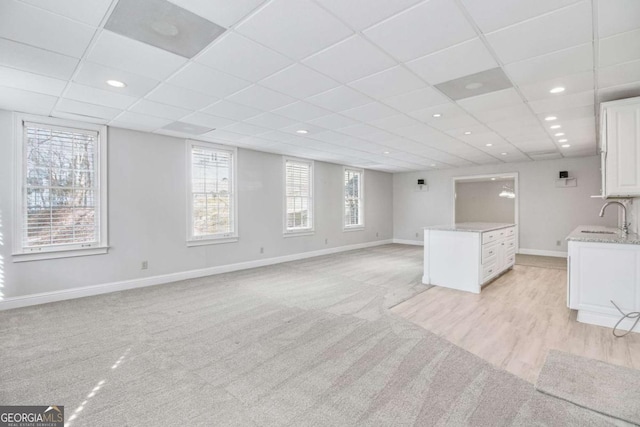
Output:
[[610, 389], [307, 343]]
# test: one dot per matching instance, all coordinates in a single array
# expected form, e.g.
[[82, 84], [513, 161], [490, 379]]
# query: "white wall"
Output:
[[547, 213], [480, 202], [147, 215]]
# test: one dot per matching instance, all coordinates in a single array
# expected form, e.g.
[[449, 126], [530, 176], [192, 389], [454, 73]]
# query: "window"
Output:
[[61, 207], [353, 199], [298, 196], [212, 194]]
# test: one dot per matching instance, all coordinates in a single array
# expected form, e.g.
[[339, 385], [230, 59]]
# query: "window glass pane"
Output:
[[298, 193]]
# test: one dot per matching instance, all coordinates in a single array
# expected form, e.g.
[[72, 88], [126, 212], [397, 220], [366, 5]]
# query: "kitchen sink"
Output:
[[598, 232]]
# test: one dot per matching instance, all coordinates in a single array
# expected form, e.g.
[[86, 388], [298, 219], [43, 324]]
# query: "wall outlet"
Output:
[[417, 234], [261, 249], [558, 243], [145, 265], [326, 241], [376, 234]]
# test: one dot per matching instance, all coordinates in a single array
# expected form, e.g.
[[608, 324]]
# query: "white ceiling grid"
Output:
[[357, 75]]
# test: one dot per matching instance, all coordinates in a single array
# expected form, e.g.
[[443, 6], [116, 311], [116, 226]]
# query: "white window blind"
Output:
[[353, 198], [299, 195], [212, 193], [60, 188]]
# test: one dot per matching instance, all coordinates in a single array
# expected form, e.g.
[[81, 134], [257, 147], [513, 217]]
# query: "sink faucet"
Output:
[[625, 226]]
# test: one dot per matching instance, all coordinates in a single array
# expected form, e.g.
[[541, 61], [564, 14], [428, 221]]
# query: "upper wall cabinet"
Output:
[[620, 147]]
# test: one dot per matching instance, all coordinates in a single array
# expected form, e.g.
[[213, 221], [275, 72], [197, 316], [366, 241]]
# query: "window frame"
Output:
[[308, 231], [20, 253], [360, 225], [212, 239]]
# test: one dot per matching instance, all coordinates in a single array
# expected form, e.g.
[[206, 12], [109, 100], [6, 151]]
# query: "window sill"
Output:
[[206, 242], [299, 233], [38, 256], [354, 228]]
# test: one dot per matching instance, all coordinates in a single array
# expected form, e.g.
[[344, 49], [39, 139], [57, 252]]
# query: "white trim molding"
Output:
[[409, 242], [558, 254], [85, 291]]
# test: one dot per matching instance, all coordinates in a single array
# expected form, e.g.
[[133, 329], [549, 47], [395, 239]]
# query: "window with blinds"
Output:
[[212, 192], [298, 195], [353, 198], [60, 186]]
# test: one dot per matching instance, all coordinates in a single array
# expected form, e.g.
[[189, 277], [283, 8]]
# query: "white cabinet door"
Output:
[[621, 148]]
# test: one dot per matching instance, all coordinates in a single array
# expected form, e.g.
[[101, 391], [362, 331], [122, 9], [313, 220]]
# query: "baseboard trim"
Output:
[[558, 254], [606, 320], [409, 242], [105, 288]]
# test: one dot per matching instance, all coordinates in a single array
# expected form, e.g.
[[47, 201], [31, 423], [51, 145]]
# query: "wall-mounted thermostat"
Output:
[[422, 185]]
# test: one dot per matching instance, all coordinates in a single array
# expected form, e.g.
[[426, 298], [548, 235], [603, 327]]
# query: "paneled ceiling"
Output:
[[369, 83]]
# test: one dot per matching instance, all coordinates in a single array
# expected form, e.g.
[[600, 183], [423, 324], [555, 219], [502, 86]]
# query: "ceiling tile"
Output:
[[302, 111], [617, 16], [141, 121], [299, 81], [158, 109], [416, 100], [37, 27], [361, 14], [88, 12], [562, 63], [571, 114], [456, 61], [260, 97], [96, 75], [255, 63], [206, 120], [501, 98], [393, 122], [351, 59], [619, 92], [452, 122], [340, 98], [246, 128], [391, 82], [203, 79], [27, 102], [360, 130], [10, 77], [95, 96], [491, 15], [536, 145], [333, 121], [180, 97], [293, 129], [277, 136], [368, 112], [223, 135], [271, 121], [186, 128], [421, 30], [503, 113], [79, 117], [34, 60], [620, 74], [545, 34], [620, 48], [87, 109], [573, 83], [222, 12], [443, 110], [563, 102], [114, 50], [231, 110], [302, 27]]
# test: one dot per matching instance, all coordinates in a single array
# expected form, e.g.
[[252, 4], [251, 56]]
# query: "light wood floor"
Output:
[[516, 320]]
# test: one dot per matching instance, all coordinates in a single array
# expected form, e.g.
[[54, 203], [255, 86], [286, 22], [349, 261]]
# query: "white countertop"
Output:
[[472, 227], [610, 235]]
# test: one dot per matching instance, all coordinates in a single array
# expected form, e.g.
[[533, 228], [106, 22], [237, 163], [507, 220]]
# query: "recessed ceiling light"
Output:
[[558, 89], [566, 145], [474, 85], [165, 28], [302, 131], [385, 152], [489, 145], [550, 118], [559, 134], [503, 154], [437, 115], [493, 179], [555, 127], [433, 165], [468, 132], [116, 83], [562, 140]]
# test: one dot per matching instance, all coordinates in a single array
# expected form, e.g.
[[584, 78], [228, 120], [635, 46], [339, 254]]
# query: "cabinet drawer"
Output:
[[510, 232], [488, 271], [511, 251], [489, 236], [510, 244], [489, 252], [511, 259]]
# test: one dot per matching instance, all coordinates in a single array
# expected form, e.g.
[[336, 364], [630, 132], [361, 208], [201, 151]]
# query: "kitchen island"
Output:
[[467, 256]]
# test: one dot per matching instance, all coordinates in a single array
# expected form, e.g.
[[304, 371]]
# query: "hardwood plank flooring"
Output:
[[516, 320]]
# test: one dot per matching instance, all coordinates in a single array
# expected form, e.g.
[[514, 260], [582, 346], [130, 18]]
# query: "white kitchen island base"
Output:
[[466, 256]]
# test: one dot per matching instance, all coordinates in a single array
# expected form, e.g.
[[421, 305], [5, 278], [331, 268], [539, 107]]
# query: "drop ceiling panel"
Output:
[[180, 97], [157, 109], [562, 102], [619, 92], [140, 121], [561, 29], [114, 50], [10, 77], [620, 48], [302, 27], [231, 110], [95, 96], [339, 99], [333, 121], [87, 12], [617, 16], [503, 113], [574, 83], [388, 83], [96, 75], [456, 61], [86, 109], [203, 79], [557, 64], [361, 14], [222, 12], [37, 27], [416, 100], [498, 99], [536, 145], [351, 59], [35, 60], [369, 112], [421, 30], [394, 122], [206, 120], [271, 121], [620, 74], [260, 97], [27, 102], [302, 111], [246, 129], [299, 81]]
